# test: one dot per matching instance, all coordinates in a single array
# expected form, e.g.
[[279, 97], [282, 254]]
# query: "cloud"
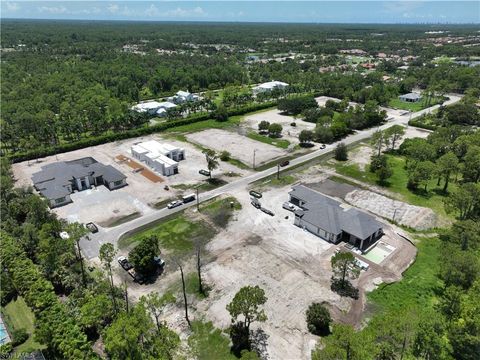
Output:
[[113, 8], [53, 9], [11, 6], [179, 12]]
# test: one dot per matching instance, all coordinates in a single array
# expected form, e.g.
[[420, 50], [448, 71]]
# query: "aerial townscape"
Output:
[[227, 180]]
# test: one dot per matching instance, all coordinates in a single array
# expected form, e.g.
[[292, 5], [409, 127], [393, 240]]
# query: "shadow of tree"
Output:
[[259, 342]]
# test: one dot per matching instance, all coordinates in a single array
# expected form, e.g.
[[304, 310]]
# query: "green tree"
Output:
[[378, 140], [155, 304], [471, 170], [318, 319], [263, 126], [247, 302], [447, 165], [134, 336], [394, 133], [464, 201], [211, 158], [221, 114], [225, 155], [107, 255], [344, 343], [344, 267], [305, 137], [142, 255], [341, 152], [275, 130], [420, 173]]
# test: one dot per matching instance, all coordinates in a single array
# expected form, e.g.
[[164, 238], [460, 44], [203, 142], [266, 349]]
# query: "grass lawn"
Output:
[[18, 315], [220, 211], [433, 198], [281, 143], [209, 343], [417, 106], [176, 235], [419, 284]]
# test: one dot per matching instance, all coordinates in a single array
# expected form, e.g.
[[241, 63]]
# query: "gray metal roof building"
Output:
[[58, 180], [332, 220], [410, 97]]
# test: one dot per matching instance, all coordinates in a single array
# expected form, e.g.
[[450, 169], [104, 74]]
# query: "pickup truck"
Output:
[[137, 277], [289, 206]]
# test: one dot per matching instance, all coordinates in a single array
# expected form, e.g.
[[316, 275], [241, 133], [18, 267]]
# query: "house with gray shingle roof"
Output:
[[58, 180], [332, 220], [410, 97]]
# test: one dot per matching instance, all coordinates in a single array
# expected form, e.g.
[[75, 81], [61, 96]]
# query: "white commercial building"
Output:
[[163, 158], [153, 107], [269, 86]]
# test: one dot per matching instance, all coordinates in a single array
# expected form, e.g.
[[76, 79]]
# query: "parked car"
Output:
[[255, 203], [255, 194], [266, 211], [174, 204], [323, 146], [159, 261], [188, 198], [284, 163], [123, 261], [91, 227], [289, 206]]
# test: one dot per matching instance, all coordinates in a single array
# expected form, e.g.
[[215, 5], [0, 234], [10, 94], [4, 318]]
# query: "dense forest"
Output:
[[64, 81]]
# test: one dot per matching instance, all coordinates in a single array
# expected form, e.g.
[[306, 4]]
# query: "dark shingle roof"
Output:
[[53, 180], [333, 216]]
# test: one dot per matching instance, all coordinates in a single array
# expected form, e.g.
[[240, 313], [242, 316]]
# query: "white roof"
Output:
[[272, 85], [167, 105], [153, 148], [183, 93], [148, 105]]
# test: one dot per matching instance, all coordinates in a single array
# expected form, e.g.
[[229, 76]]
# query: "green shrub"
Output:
[[19, 336], [225, 155]]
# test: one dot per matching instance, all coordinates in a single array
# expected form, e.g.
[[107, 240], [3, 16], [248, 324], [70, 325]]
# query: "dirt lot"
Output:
[[140, 192], [289, 133], [291, 265], [239, 146]]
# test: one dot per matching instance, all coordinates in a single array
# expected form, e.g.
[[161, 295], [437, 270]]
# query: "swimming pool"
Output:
[[4, 337], [379, 252]]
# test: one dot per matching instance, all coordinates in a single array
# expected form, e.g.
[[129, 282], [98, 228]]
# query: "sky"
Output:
[[379, 11]]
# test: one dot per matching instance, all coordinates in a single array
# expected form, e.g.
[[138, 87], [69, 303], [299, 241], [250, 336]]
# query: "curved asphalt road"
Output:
[[90, 248]]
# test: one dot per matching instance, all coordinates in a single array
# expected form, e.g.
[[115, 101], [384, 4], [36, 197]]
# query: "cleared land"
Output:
[[275, 116], [293, 266], [239, 146], [141, 195]]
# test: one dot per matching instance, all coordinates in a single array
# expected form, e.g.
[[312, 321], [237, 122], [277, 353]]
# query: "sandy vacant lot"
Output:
[[140, 192], [291, 265], [289, 133], [239, 146]]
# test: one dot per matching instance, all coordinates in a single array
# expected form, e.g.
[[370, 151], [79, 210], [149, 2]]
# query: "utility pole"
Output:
[[278, 171], [254, 151], [198, 201]]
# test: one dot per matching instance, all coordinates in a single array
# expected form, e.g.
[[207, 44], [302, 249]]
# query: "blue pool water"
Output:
[[4, 338]]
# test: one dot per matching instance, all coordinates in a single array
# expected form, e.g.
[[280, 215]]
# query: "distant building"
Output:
[[332, 220], [183, 96], [57, 181], [269, 86], [153, 107], [410, 97], [163, 158]]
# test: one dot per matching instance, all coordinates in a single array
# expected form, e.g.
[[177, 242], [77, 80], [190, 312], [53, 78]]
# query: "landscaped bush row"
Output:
[[422, 125], [146, 130], [54, 325]]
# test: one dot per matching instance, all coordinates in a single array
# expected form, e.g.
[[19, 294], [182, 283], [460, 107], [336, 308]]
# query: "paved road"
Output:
[[90, 248]]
